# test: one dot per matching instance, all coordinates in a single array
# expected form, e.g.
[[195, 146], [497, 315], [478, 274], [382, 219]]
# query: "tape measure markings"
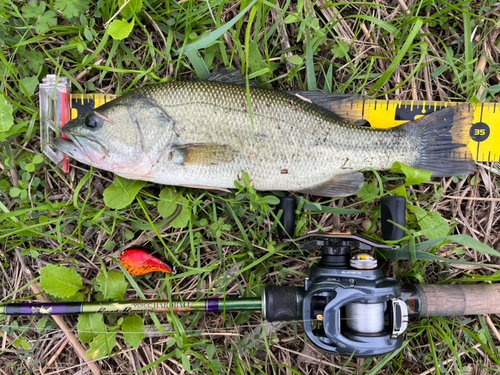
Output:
[[81, 103]]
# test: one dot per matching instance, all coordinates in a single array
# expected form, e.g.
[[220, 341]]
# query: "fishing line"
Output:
[[368, 317], [191, 331], [43, 330]]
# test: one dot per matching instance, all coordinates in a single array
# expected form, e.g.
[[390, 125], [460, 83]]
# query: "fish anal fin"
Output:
[[338, 186], [212, 189], [349, 108], [204, 154]]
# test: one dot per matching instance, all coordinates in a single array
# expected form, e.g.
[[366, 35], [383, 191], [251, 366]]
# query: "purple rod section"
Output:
[[43, 308], [212, 304]]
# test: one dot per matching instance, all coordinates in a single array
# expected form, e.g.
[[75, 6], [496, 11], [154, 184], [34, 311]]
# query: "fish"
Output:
[[204, 134]]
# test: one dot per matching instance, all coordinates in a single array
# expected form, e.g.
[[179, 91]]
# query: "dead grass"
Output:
[[474, 208]]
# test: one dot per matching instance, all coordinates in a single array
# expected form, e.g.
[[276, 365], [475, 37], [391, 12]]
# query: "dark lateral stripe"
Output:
[[43, 308]]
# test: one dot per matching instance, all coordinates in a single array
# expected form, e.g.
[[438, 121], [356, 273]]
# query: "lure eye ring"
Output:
[[93, 122]]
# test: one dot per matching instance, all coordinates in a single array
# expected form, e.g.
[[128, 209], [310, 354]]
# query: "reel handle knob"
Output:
[[287, 227], [394, 209]]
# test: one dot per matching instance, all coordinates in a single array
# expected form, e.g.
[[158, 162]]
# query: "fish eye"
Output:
[[93, 122]]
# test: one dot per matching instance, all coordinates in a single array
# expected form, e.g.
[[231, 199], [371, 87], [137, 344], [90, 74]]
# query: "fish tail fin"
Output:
[[444, 138]]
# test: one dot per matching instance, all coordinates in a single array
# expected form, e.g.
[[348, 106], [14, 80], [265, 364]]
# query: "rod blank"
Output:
[[210, 304]]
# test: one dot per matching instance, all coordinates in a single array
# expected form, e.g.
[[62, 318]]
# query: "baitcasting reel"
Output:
[[347, 305]]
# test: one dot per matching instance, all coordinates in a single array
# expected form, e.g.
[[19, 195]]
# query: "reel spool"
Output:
[[365, 318]]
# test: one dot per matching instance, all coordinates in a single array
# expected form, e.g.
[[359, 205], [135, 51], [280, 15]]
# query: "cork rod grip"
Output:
[[455, 300]]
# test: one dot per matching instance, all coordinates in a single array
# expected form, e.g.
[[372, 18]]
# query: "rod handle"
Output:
[[455, 300]]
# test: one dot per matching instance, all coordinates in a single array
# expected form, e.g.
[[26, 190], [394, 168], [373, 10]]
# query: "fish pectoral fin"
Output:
[[204, 154], [349, 108], [232, 77], [338, 186]]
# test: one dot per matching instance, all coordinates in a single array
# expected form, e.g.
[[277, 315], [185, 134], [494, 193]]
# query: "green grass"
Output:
[[227, 245]]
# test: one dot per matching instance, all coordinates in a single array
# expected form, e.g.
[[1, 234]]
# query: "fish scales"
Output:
[[202, 134], [288, 133]]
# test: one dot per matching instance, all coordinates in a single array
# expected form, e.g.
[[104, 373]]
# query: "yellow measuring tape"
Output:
[[484, 141], [484, 135]]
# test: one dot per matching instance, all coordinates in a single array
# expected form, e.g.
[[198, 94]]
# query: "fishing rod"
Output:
[[347, 306]]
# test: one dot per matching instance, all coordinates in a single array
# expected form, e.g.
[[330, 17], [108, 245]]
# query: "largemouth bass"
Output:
[[201, 134]]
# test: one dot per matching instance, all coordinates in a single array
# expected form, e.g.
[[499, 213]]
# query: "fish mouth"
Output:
[[87, 150]]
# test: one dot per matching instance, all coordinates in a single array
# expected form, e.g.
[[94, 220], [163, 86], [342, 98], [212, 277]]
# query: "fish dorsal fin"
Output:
[[154, 127], [338, 186], [202, 154], [349, 108], [232, 77]]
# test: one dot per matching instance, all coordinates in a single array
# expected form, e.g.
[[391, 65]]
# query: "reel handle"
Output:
[[287, 204], [394, 209]]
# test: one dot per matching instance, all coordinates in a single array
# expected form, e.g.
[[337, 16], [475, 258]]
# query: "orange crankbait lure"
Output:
[[139, 261]]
